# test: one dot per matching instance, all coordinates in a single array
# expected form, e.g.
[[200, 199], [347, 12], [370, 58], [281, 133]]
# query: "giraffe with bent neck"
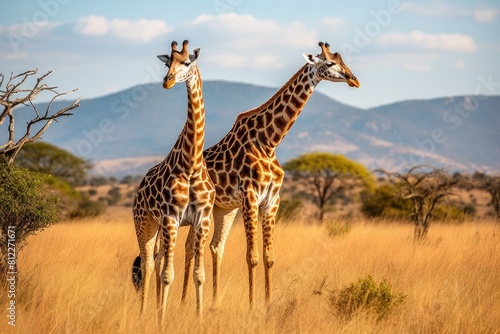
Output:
[[176, 192], [246, 172]]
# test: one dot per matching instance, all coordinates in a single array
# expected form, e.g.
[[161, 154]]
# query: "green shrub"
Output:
[[25, 208], [384, 203], [366, 296], [114, 196], [87, 208], [454, 212]]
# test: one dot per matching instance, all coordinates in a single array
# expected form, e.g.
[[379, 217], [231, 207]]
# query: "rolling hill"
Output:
[[129, 131]]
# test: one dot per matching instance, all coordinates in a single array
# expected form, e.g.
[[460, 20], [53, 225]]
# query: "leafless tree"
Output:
[[425, 186], [14, 95], [491, 184]]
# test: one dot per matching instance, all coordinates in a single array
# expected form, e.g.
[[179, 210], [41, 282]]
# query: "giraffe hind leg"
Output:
[[189, 261], [223, 220], [137, 273], [268, 222]]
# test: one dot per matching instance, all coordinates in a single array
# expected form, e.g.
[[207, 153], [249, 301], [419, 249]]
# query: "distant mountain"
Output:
[[129, 131]]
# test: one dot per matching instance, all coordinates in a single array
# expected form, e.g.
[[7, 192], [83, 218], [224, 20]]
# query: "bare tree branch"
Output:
[[8, 99]]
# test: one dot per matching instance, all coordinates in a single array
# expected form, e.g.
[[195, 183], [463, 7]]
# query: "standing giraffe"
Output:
[[178, 191], [246, 172]]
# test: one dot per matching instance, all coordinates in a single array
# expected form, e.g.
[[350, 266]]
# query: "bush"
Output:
[[25, 208], [366, 296], [114, 196], [87, 208], [384, 203], [454, 212]]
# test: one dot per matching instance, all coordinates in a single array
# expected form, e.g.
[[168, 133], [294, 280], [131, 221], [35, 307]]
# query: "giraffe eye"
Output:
[[330, 64], [186, 63]]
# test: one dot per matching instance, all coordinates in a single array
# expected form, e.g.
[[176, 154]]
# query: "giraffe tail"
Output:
[[137, 273]]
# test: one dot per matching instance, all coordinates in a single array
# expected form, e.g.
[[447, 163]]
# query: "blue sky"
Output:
[[398, 49]]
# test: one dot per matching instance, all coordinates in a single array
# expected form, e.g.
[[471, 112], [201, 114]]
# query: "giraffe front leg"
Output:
[[268, 222], [223, 220], [146, 230], [250, 212], [188, 263], [169, 237], [200, 238]]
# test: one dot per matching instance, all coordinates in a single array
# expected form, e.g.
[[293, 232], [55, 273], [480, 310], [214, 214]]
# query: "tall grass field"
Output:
[[75, 277]]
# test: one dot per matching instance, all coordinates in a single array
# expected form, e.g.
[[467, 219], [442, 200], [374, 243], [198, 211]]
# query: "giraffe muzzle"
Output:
[[168, 82], [353, 82]]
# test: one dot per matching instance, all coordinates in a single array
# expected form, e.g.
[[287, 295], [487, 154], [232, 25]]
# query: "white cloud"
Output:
[[247, 32], [141, 31], [243, 41], [261, 61], [413, 62], [333, 22], [228, 60], [430, 9], [92, 25], [13, 56], [441, 9], [266, 61], [486, 15], [29, 29], [419, 39]]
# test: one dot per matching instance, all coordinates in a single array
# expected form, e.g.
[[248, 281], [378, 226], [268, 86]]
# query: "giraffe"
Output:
[[178, 191], [246, 172]]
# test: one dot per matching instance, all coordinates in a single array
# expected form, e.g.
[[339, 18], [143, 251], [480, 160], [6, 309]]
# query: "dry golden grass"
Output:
[[75, 278]]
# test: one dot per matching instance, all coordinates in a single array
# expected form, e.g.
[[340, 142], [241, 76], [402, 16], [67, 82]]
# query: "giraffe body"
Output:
[[176, 192], [246, 172]]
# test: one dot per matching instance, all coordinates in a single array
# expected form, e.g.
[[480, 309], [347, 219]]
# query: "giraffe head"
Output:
[[180, 64], [330, 66]]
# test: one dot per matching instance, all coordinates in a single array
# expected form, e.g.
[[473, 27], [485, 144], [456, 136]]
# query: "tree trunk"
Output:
[[419, 232], [321, 215]]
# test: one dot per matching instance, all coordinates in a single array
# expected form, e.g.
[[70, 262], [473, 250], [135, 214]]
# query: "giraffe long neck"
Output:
[[192, 139], [274, 118]]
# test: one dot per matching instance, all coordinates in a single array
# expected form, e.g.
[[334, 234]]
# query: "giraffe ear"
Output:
[[310, 58], [165, 59], [194, 56]]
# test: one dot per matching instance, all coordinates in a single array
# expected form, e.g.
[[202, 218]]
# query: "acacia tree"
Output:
[[14, 95], [46, 158], [326, 175], [425, 187]]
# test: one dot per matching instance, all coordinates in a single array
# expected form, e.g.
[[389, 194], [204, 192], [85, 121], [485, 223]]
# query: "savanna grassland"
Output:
[[75, 278]]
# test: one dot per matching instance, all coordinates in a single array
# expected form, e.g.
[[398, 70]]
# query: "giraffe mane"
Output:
[[266, 104]]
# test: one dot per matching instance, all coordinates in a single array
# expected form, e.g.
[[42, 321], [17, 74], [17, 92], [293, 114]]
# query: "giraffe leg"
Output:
[[146, 230], [199, 264], [169, 237], [268, 221], [188, 263], [223, 220], [250, 221], [159, 263]]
